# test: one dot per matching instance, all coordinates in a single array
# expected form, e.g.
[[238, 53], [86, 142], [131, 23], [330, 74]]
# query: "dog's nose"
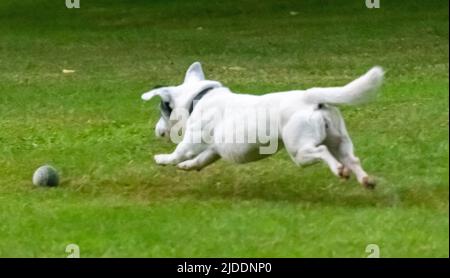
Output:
[[160, 133]]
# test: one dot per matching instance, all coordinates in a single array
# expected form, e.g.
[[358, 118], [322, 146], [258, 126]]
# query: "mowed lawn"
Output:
[[93, 127]]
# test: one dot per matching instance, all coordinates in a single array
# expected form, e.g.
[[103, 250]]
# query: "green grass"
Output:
[[115, 202]]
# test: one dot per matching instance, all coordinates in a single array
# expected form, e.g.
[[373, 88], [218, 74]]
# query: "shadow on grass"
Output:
[[345, 194], [314, 185], [275, 180]]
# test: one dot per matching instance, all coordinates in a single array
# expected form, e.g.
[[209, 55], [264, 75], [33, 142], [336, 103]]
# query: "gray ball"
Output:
[[46, 176]]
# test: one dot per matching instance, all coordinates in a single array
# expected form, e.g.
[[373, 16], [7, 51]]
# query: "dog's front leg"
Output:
[[165, 159], [183, 151], [200, 161]]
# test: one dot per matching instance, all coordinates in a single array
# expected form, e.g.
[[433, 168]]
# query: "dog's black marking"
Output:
[[165, 108], [198, 97], [322, 106]]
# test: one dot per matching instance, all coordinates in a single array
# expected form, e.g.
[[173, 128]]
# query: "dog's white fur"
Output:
[[309, 126]]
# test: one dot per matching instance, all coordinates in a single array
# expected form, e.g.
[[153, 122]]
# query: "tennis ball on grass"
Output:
[[46, 176]]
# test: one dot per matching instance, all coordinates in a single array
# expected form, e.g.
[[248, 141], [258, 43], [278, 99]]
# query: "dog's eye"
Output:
[[166, 110]]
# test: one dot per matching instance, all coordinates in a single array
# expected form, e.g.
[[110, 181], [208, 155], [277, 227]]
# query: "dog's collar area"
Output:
[[198, 97]]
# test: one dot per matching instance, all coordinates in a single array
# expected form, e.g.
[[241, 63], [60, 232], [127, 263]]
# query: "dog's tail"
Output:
[[355, 92]]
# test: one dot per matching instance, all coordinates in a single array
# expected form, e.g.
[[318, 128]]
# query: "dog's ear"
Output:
[[194, 73], [164, 93]]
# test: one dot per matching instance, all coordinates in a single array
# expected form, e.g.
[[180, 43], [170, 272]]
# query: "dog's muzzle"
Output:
[[161, 128]]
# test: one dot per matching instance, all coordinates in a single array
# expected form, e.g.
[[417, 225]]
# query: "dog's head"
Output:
[[176, 101]]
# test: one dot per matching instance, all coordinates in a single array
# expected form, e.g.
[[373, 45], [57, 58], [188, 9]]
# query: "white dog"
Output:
[[304, 122]]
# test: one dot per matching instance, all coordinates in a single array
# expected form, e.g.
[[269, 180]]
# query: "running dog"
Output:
[[306, 122]]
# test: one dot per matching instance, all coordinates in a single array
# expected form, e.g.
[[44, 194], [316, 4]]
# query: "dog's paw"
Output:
[[368, 182], [162, 159], [186, 166], [344, 172]]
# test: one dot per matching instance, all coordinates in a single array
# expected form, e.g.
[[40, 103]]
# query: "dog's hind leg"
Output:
[[341, 145], [347, 156], [303, 136], [200, 161], [308, 154]]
